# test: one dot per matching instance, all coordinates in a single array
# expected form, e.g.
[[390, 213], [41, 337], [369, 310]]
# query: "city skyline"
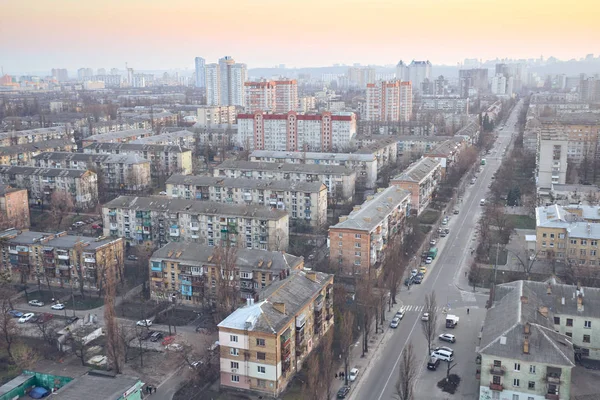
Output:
[[169, 36]]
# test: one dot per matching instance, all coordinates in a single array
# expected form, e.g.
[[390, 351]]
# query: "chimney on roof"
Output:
[[248, 301], [549, 289], [527, 328], [524, 299], [526, 346], [279, 307], [543, 311], [312, 275]]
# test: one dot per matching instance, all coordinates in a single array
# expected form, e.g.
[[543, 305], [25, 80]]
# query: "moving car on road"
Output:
[[131, 257], [447, 337], [425, 317], [399, 314], [36, 303]]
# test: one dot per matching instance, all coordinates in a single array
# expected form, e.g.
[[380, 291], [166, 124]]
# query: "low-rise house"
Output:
[[197, 267], [103, 386], [14, 208], [34, 135], [120, 171], [421, 179], [58, 259], [447, 153], [117, 136], [305, 202], [23, 153], [264, 343], [340, 180], [385, 151], [357, 242], [42, 182], [158, 220], [164, 159]]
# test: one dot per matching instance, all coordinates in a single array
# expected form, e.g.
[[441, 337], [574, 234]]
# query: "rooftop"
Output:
[[376, 146], [165, 137], [36, 146], [300, 155], [243, 183], [124, 147], [374, 210], [96, 387], [248, 259], [93, 158], [520, 305], [295, 292], [418, 170], [166, 204], [447, 147], [587, 118], [300, 168], [118, 135], [556, 216], [4, 189], [25, 238], [51, 172]]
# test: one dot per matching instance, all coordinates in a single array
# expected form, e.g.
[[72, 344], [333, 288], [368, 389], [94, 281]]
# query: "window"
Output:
[[340, 235], [235, 365], [260, 342], [516, 382], [357, 236], [556, 320], [357, 253], [517, 367], [552, 236], [569, 321], [586, 338], [261, 369], [261, 356], [561, 235], [584, 242], [497, 363], [233, 338], [594, 243], [235, 378], [357, 245], [496, 380], [544, 244], [531, 385], [544, 235], [234, 352], [261, 383], [573, 241], [532, 369], [569, 334], [530, 398], [587, 324], [515, 397]]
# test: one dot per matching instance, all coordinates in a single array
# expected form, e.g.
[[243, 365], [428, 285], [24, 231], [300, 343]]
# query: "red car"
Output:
[[168, 340], [97, 226], [45, 317]]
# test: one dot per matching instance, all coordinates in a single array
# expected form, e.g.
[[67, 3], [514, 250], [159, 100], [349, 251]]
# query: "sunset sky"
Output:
[[37, 35]]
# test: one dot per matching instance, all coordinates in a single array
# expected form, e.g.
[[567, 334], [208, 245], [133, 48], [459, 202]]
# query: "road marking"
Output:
[[468, 297]]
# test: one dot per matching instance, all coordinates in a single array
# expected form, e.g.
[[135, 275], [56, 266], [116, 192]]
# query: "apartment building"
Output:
[[14, 208], [278, 96], [444, 104], [190, 271], [569, 234], [385, 151], [264, 343], [215, 135], [421, 179], [216, 115], [225, 83], [164, 159], [389, 101], [305, 202], [157, 220], [447, 152], [60, 259], [42, 182], [340, 180], [524, 351], [117, 136], [365, 165], [23, 153], [296, 132], [357, 243], [120, 171], [34, 135]]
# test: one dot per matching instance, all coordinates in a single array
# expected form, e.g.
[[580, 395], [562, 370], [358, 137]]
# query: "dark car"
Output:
[[156, 336], [15, 313], [45, 317], [343, 392], [146, 334], [417, 279], [70, 320], [408, 281], [433, 363]]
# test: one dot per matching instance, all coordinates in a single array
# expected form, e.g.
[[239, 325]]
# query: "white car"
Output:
[[395, 322], [174, 347], [432, 242], [144, 322], [36, 303], [57, 306], [26, 317], [353, 374], [448, 349], [425, 317], [163, 193], [414, 272], [447, 337], [428, 260]]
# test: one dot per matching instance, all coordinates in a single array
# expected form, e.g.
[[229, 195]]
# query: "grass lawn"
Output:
[[502, 256], [87, 303], [429, 216], [522, 221]]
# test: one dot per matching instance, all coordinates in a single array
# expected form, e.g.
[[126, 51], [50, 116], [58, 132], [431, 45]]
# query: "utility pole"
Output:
[[496, 269]]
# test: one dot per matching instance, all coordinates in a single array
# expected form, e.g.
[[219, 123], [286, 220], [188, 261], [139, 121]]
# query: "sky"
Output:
[[37, 35]]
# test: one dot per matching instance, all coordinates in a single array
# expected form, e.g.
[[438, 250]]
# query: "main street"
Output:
[[445, 276]]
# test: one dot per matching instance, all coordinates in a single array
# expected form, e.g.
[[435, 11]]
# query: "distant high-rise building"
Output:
[[225, 86], [498, 85], [475, 78], [440, 86], [84, 74], [402, 72], [279, 96], [114, 71], [60, 74], [389, 101], [101, 71], [589, 88], [225, 65], [419, 71], [236, 90], [213, 85], [361, 76], [200, 72], [516, 72], [130, 76]]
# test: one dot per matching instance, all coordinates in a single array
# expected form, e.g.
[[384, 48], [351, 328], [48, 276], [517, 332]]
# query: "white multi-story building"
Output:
[[445, 104], [419, 71], [215, 115], [294, 132], [213, 85], [200, 72], [304, 201], [389, 101], [498, 85], [279, 96]]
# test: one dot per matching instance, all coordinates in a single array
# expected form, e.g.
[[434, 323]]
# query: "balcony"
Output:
[[62, 256], [497, 370], [113, 227], [553, 379], [552, 396], [174, 232], [195, 236], [112, 213], [496, 386], [195, 228]]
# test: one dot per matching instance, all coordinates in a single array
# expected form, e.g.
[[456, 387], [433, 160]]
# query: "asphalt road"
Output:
[[445, 276]]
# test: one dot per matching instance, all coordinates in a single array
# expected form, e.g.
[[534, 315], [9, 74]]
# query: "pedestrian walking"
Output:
[[154, 389], [336, 375], [467, 311], [465, 274]]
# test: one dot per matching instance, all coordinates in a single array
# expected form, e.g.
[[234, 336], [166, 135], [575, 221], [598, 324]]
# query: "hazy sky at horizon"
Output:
[[37, 35]]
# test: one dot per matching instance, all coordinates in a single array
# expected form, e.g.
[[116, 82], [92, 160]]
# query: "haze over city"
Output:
[[153, 34]]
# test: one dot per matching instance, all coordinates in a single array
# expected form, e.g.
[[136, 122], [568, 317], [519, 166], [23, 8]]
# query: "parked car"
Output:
[[15, 313], [156, 336], [445, 221], [447, 231], [442, 355], [36, 303], [343, 392], [45, 317], [433, 363], [425, 317], [197, 364], [72, 319], [167, 341], [455, 211], [395, 322], [447, 337], [174, 347], [163, 193], [97, 226], [408, 281], [448, 349], [78, 224], [144, 322], [418, 279], [414, 272], [443, 234], [26, 317], [423, 270], [145, 334], [399, 314], [428, 260], [432, 242], [131, 257], [353, 374], [57, 306]]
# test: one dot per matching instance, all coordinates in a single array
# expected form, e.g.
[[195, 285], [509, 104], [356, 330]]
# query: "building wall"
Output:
[[14, 205]]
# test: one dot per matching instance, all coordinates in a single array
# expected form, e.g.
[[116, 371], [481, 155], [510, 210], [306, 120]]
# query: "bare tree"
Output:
[[429, 326], [48, 332], [525, 260], [79, 345], [61, 204], [407, 374], [114, 346], [327, 361], [8, 328], [313, 386], [475, 274], [126, 334], [227, 290], [345, 331]]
